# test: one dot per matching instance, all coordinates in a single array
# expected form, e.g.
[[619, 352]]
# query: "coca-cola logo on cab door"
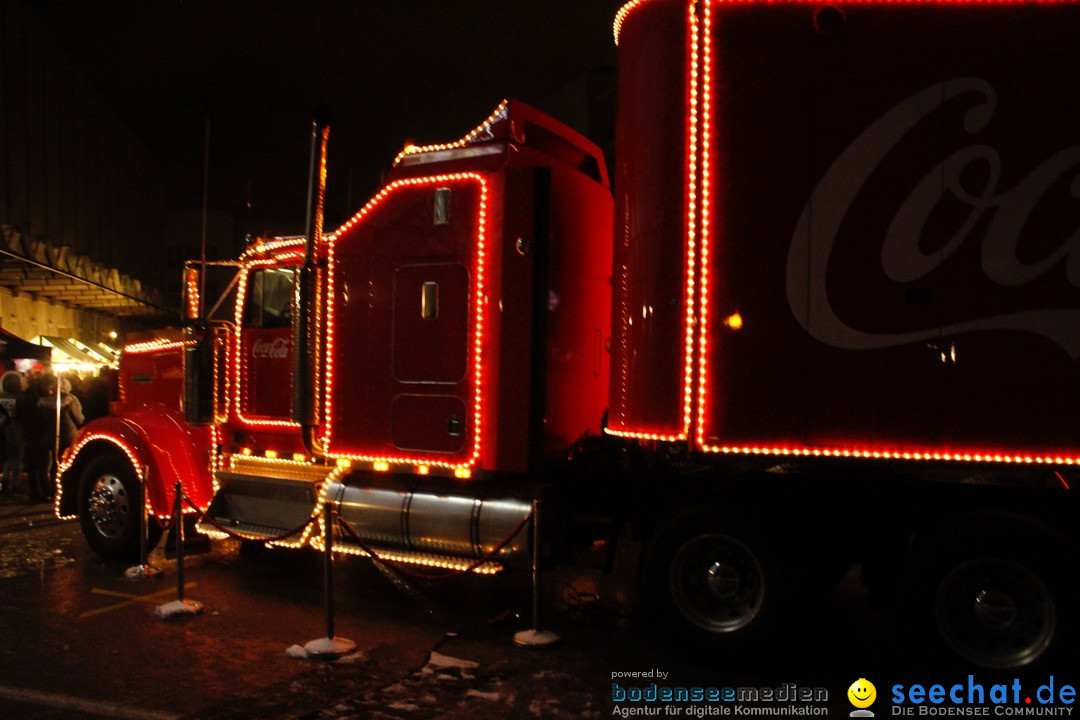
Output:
[[999, 211], [275, 349]]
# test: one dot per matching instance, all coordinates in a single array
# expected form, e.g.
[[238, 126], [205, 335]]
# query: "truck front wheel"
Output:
[[110, 509]]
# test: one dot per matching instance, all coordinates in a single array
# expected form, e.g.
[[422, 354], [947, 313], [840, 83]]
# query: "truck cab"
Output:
[[453, 346]]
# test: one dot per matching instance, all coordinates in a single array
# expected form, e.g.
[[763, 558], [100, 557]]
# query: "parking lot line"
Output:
[[129, 599], [103, 708]]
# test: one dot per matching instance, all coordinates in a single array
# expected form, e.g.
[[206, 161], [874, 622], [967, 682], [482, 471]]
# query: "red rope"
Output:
[[445, 576], [241, 536], [360, 543]]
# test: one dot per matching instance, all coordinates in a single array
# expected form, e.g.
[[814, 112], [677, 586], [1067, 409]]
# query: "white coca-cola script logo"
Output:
[[274, 349], [1003, 212]]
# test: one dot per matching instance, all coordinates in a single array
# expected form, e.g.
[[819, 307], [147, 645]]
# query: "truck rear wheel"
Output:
[[717, 583], [997, 597], [995, 612], [709, 584], [110, 509]]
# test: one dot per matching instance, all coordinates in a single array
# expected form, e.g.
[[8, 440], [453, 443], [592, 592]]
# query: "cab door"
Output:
[[264, 348]]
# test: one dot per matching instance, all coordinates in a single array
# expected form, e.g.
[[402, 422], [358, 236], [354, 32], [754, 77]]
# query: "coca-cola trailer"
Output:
[[831, 316]]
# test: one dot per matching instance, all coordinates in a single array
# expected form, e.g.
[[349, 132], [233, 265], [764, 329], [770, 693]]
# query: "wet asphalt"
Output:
[[80, 640]]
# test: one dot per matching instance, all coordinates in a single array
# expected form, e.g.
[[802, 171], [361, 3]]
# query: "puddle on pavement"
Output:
[[30, 554]]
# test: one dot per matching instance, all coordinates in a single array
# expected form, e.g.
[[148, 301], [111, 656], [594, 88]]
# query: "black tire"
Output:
[[714, 587], [110, 509], [1000, 604]]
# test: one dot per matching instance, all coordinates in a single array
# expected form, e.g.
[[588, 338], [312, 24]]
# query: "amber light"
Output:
[[272, 246], [309, 534], [694, 192], [699, 184], [215, 457], [622, 14], [149, 348], [706, 226], [430, 561], [154, 346], [136, 465], [221, 409], [69, 459], [922, 455], [475, 134], [192, 292], [625, 11], [479, 302]]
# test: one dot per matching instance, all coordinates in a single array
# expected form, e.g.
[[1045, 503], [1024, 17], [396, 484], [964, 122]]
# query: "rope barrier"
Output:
[[344, 524], [423, 576], [165, 525], [203, 517], [330, 646]]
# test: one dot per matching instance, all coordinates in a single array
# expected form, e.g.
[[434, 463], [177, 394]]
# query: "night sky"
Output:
[[388, 71]]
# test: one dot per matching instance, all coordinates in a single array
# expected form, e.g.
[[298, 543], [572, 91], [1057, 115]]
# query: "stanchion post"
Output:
[[535, 637], [329, 647], [180, 606], [328, 566], [178, 528], [144, 569]]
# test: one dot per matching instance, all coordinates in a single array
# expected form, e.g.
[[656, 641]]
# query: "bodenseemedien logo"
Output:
[[862, 694], [670, 699]]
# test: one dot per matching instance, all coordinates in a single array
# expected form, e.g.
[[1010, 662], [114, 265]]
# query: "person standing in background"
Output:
[[14, 412], [71, 415], [41, 437]]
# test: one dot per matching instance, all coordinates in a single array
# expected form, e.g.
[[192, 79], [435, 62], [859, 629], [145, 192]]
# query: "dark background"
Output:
[[388, 71]]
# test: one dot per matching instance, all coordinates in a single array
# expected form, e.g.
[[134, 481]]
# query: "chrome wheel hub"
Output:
[[717, 583], [108, 506], [996, 613]]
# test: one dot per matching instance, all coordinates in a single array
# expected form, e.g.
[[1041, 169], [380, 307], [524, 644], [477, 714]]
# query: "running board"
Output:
[[264, 499]]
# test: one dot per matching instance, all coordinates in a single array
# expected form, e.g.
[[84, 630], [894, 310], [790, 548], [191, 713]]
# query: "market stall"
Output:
[[21, 355]]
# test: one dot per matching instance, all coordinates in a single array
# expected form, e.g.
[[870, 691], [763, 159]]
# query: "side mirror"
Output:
[[198, 373]]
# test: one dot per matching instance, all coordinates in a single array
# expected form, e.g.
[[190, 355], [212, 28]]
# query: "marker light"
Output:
[[479, 303]]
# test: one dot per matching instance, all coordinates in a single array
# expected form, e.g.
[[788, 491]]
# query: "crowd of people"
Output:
[[35, 426]]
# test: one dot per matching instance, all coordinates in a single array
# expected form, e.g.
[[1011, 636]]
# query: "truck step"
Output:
[[263, 498]]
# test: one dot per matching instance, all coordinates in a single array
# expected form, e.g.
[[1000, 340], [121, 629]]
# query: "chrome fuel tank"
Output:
[[433, 519]]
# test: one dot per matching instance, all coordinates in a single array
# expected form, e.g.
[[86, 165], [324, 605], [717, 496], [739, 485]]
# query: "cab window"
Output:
[[269, 299]]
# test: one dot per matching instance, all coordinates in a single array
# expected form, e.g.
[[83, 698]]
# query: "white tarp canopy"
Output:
[[69, 354]]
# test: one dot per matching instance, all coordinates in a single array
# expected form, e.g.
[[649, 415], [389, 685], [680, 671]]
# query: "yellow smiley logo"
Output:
[[862, 693]]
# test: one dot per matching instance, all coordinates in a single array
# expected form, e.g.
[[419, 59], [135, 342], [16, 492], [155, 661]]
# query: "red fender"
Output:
[[162, 449]]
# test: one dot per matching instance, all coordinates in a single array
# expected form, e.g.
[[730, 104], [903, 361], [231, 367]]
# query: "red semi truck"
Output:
[[829, 315]]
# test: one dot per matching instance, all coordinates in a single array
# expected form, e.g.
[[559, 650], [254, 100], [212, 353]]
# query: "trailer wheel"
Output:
[[995, 612], [110, 509], [708, 584], [994, 605]]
